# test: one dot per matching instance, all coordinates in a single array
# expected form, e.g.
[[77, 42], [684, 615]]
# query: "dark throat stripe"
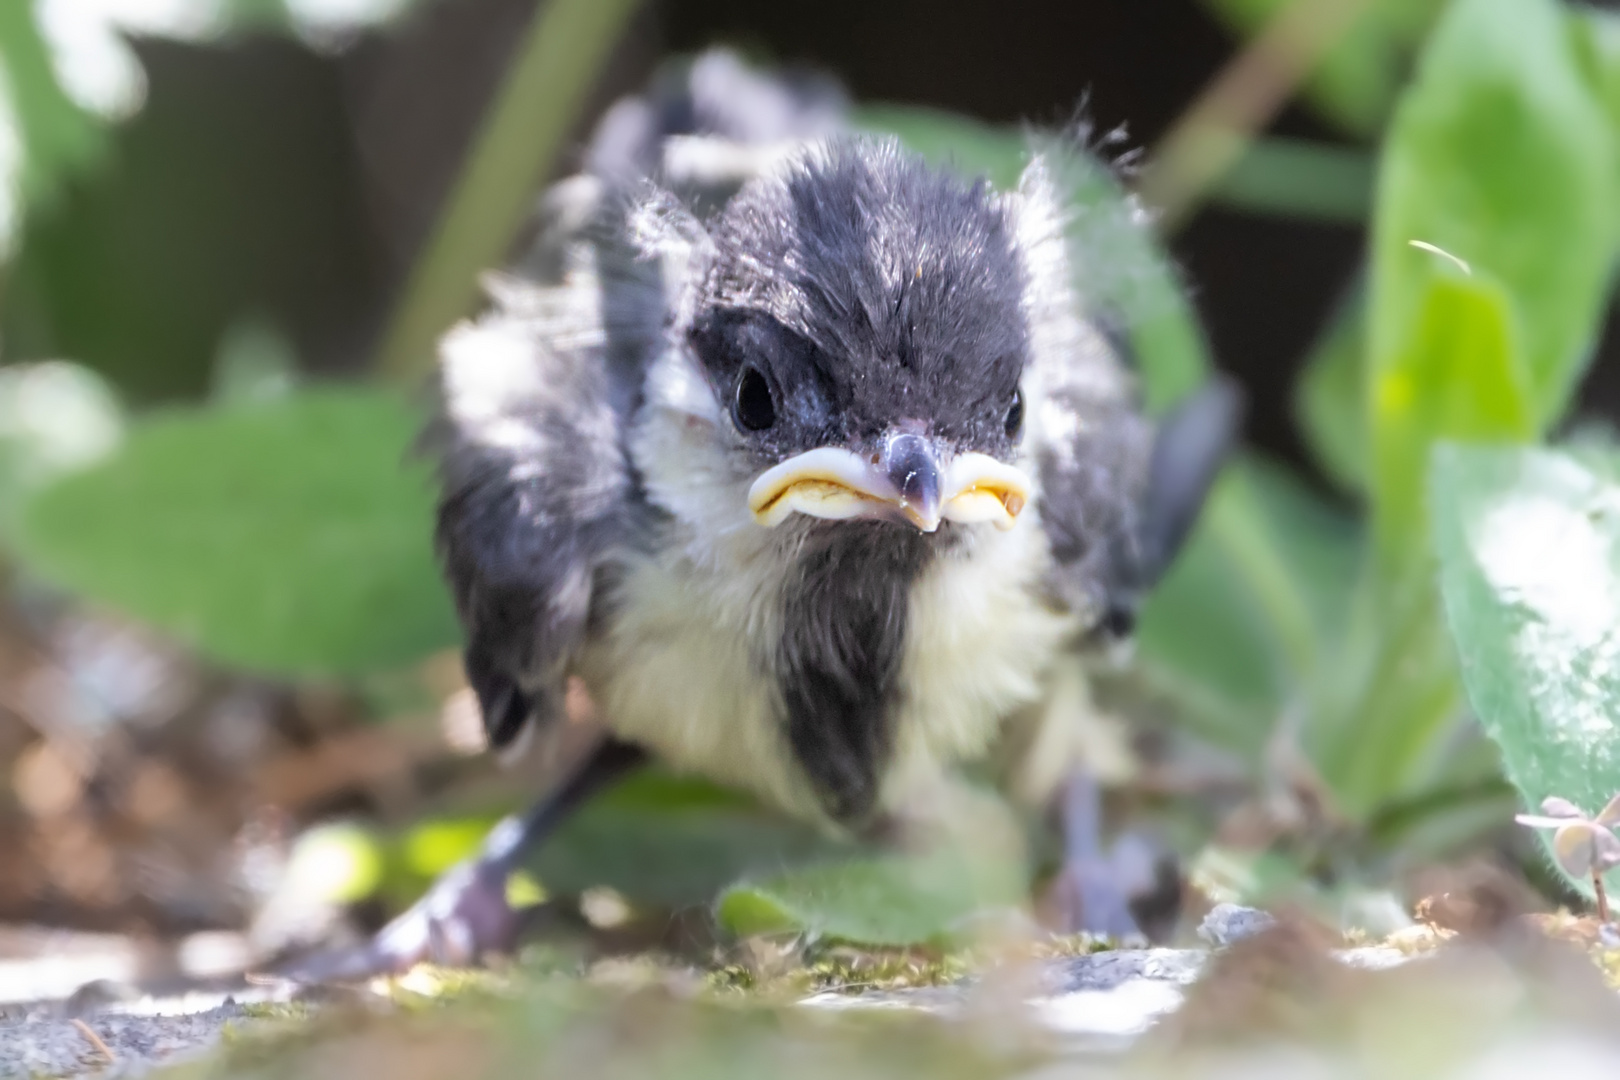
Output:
[[843, 640]]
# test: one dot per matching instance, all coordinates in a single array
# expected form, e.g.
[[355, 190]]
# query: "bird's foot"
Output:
[[1110, 895], [464, 918], [1129, 890]]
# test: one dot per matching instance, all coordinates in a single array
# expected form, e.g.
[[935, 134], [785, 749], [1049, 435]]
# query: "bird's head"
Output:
[[858, 318]]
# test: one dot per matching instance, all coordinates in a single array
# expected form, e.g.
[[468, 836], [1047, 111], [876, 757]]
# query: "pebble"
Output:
[[43, 1042], [1227, 924]]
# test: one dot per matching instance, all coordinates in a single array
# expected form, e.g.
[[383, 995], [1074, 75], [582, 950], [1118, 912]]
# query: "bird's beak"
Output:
[[906, 479]]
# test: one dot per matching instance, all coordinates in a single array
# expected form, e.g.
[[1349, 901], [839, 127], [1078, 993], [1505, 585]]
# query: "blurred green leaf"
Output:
[[1392, 696], [1356, 83], [880, 900], [1503, 156], [1529, 545], [55, 418], [661, 840], [1458, 375], [1597, 43], [1330, 399], [255, 363], [1299, 178], [1238, 626], [672, 856], [62, 129], [1387, 706], [287, 537], [337, 863], [56, 136], [1493, 244], [67, 69]]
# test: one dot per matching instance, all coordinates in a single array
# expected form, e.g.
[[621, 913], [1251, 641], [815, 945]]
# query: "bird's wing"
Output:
[[537, 490], [1118, 492]]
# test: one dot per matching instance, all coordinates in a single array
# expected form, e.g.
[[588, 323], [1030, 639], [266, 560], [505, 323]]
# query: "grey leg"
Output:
[[465, 915], [1095, 888]]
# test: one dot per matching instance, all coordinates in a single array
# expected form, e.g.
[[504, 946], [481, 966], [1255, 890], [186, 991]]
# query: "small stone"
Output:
[[1227, 924], [97, 995], [1107, 970]]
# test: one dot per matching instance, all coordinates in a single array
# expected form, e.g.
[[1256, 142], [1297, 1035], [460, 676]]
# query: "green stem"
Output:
[[553, 70], [1241, 530]]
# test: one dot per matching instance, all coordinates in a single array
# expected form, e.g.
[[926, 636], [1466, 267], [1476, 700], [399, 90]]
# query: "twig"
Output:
[[95, 1040], [1602, 897], [552, 70], [1242, 98]]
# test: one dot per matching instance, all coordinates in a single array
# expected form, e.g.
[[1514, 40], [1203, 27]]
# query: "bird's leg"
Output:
[[466, 914], [1095, 888]]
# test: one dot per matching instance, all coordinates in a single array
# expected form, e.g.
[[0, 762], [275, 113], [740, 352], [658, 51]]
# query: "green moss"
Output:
[[276, 1010]]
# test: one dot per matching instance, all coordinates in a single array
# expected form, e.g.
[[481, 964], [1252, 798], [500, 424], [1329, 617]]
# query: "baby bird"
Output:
[[808, 460]]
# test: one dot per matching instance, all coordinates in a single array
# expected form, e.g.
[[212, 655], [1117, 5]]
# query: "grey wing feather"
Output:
[[1118, 493], [538, 492], [537, 489]]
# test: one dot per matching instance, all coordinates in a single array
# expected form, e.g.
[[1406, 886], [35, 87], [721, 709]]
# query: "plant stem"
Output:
[[1602, 897], [552, 70], [1217, 128]]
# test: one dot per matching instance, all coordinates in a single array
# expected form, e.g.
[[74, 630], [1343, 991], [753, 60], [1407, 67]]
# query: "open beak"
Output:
[[905, 480]]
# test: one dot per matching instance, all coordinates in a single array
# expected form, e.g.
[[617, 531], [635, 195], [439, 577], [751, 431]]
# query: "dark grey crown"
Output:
[[868, 290]]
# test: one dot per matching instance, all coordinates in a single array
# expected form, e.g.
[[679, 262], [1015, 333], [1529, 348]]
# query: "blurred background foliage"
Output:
[[232, 230]]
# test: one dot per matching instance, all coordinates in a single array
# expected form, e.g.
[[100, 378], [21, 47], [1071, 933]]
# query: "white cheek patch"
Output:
[[676, 383], [682, 444]]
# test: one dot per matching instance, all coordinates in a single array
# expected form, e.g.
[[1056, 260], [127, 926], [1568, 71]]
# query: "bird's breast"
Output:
[[830, 674]]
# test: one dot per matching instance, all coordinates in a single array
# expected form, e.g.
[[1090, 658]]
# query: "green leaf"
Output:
[[56, 137], [1457, 376], [1239, 625], [1356, 83], [289, 537], [674, 856], [1529, 545], [1503, 155], [1597, 42], [1387, 706], [879, 900], [671, 842], [1330, 398], [662, 841], [1299, 178], [1492, 247], [55, 418]]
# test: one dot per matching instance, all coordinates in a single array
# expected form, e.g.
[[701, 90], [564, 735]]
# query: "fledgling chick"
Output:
[[813, 495]]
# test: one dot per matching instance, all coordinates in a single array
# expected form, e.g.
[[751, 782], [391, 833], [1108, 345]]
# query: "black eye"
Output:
[[753, 409], [1015, 415]]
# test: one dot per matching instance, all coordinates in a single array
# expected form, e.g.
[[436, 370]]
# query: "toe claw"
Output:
[[463, 919]]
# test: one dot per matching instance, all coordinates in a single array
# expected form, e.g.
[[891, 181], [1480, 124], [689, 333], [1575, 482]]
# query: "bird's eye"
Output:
[[1015, 415], [753, 409]]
